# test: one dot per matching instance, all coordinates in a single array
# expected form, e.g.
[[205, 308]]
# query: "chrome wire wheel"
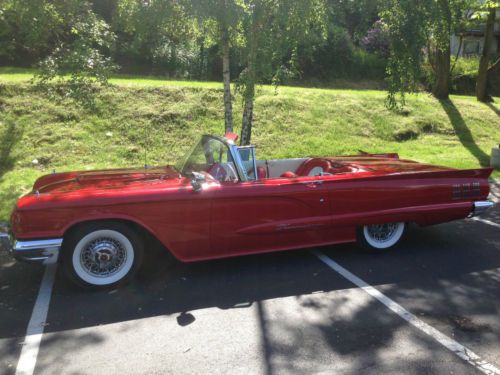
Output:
[[383, 236], [103, 257]]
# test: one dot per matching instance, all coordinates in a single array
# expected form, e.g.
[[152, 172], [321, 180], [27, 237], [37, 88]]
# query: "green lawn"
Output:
[[142, 118]]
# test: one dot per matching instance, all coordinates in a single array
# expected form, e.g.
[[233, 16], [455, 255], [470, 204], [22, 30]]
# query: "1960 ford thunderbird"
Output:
[[220, 201]]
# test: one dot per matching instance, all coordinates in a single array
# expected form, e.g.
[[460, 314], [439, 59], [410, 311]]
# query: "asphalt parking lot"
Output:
[[286, 312]]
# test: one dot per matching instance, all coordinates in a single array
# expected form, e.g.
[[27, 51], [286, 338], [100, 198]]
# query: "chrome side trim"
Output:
[[481, 207], [38, 244], [313, 182]]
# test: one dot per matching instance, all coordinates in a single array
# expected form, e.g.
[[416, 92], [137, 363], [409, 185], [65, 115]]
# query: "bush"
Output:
[[465, 66], [376, 39], [463, 77], [340, 58]]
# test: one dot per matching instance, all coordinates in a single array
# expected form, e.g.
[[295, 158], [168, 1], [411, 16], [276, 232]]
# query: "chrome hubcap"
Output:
[[382, 232], [103, 257]]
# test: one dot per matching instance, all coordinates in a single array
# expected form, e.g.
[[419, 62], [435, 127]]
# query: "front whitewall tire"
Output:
[[101, 255], [94, 278]]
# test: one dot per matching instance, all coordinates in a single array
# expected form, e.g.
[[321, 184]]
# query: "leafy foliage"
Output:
[[77, 43], [407, 38], [418, 30], [156, 33], [80, 54], [27, 29], [272, 32]]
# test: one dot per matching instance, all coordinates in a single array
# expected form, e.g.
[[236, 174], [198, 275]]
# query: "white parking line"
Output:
[[27, 359], [486, 221], [457, 348]]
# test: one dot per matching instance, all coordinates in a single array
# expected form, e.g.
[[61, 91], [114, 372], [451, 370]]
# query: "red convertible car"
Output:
[[220, 201]]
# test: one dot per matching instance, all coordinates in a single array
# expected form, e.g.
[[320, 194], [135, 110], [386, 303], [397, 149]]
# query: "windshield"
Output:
[[212, 156]]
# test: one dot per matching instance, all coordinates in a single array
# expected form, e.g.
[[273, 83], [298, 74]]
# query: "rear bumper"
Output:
[[481, 207], [41, 251]]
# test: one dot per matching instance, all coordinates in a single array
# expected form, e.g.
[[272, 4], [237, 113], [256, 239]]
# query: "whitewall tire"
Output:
[[102, 255], [380, 237]]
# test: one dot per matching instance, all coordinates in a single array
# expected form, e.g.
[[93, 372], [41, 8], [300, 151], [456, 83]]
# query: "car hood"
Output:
[[105, 179]]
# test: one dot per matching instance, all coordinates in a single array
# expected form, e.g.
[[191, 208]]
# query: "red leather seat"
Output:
[[289, 174], [261, 172], [307, 166]]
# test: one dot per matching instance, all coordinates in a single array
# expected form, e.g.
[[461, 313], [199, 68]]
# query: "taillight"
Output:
[[466, 190], [15, 221]]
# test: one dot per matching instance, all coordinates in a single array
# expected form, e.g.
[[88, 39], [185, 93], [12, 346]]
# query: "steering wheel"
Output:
[[217, 171], [250, 172]]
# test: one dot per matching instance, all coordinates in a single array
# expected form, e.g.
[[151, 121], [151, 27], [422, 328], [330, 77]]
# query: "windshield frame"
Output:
[[232, 148]]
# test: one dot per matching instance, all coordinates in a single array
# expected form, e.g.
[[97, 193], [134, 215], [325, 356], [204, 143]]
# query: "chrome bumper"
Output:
[[42, 251], [481, 207]]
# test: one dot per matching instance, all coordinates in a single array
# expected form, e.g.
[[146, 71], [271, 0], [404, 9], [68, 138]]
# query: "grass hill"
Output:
[[139, 120]]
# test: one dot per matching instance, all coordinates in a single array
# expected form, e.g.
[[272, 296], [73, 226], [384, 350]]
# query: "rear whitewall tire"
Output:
[[102, 255], [380, 237]]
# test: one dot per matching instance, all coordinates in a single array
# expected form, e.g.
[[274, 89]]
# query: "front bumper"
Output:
[[41, 251]]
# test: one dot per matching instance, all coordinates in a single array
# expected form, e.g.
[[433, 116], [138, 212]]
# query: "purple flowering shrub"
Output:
[[376, 39]]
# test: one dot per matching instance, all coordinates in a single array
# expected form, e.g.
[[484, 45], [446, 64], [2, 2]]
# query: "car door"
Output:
[[269, 214]]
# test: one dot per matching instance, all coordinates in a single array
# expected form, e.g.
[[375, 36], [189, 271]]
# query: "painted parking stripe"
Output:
[[34, 332], [486, 221], [457, 348]]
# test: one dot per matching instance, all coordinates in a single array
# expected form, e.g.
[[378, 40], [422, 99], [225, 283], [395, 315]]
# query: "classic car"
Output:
[[221, 201]]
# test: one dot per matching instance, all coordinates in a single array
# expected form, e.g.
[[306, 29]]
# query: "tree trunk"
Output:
[[246, 123], [442, 59], [201, 61], [441, 86], [173, 60], [482, 74], [457, 54], [249, 91], [226, 77]]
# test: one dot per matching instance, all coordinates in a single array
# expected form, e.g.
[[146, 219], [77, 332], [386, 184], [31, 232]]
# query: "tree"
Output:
[[355, 16], [439, 37], [418, 30], [272, 31], [226, 78], [488, 11], [27, 30], [79, 46], [221, 18], [158, 34]]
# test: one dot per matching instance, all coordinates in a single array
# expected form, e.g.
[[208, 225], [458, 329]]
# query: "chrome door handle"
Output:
[[313, 183]]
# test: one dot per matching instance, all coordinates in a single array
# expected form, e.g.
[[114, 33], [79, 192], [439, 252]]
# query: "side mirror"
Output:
[[197, 180]]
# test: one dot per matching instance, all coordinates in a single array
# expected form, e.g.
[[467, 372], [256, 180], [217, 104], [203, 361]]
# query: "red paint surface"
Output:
[[236, 218]]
